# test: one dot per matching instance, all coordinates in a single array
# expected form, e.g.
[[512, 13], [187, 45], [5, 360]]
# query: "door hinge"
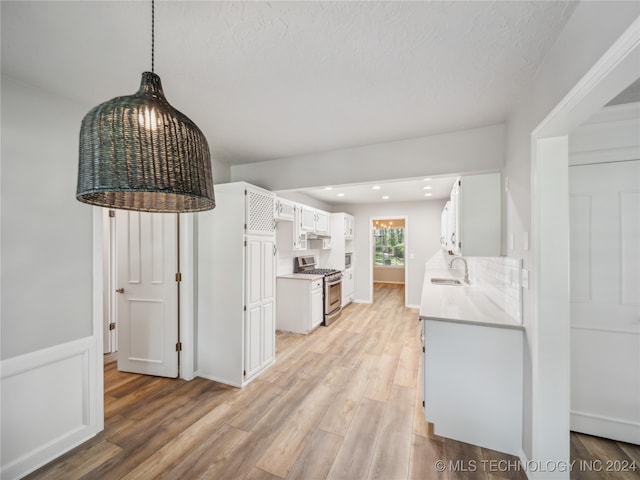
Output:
[[244, 373], [245, 243], [423, 350], [459, 183], [245, 308], [422, 403], [179, 347], [112, 213], [245, 191], [245, 226], [112, 326], [178, 277]]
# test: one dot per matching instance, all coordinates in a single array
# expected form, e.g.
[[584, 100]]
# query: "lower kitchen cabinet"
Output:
[[348, 286], [473, 383], [299, 303]]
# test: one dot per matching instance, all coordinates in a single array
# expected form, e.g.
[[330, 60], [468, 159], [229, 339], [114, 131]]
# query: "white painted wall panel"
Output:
[[48, 404]]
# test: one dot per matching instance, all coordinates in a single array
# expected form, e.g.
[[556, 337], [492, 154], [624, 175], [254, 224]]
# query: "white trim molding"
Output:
[[50, 404], [607, 427]]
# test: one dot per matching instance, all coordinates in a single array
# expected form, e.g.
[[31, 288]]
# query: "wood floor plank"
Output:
[[84, 461], [355, 454], [204, 431], [407, 370], [317, 457], [393, 447], [425, 452], [259, 403], [463, 461], [286, 448]]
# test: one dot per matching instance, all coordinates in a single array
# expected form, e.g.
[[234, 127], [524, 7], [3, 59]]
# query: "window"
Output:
[[389, 245]]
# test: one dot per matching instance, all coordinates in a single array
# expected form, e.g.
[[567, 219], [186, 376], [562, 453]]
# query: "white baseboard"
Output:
[[52, 401], [606, 427]]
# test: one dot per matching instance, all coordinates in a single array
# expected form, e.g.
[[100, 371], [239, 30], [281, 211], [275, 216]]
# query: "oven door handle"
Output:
[[335, 282]]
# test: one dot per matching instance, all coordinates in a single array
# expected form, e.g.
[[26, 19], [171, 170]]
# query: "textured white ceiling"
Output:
[[267, 80]]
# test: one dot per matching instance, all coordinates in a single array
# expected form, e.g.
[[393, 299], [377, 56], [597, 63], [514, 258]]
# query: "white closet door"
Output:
[[147, 306], [605, 299]]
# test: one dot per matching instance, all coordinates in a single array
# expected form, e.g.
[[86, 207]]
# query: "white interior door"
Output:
[[147, 299], [605, 299]]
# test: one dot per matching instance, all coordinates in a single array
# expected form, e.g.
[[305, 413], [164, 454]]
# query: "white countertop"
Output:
[[461, 304], [301, 276]]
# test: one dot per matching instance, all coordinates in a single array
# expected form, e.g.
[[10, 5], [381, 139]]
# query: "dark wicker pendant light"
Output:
[[137, 152]]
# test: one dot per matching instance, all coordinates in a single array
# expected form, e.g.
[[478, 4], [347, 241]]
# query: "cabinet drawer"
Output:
[[316, 284]]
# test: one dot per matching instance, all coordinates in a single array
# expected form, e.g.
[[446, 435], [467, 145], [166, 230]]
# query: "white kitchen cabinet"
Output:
[[348, 286], [313, 220], [340, 242], [322, 222], [299, 303], [236, 285], [474, 216], [284, 210], [473, 383], [348, 226], [307, 218], [299, 235]]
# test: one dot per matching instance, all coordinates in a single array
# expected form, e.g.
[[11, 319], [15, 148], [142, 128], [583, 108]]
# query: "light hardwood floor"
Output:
[[342, 403]]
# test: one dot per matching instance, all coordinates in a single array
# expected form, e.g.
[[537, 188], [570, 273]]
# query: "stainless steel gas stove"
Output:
[[332, 291]]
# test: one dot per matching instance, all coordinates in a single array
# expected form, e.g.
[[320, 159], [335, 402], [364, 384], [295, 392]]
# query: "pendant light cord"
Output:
[[153, 35]]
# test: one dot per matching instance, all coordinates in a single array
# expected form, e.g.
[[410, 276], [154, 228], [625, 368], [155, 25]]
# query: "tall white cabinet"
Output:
[[471, 220], [236, 285]]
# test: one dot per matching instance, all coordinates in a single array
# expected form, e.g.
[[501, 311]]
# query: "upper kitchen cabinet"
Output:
[[341, 243], [313, 220], [348, 226], [473, 216], [236, 285], [284, 210]]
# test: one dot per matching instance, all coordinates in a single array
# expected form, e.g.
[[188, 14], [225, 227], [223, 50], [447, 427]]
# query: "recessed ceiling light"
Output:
[[428, 187], [427, 179], [341, 194], [386, 197], [376, 187], [428, 194], [328, 188]]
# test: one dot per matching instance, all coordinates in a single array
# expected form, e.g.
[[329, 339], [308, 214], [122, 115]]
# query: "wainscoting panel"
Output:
[[50, 404]]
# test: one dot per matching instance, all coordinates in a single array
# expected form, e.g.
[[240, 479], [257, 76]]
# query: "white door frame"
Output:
[[615, 70], [372, 251]]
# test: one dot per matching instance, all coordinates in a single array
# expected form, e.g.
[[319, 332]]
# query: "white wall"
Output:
[[46, 233], [422, 238], [51, 367], [592, 28], [468, 151]]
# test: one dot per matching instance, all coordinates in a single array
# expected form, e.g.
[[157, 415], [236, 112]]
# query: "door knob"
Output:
[[119, 290]]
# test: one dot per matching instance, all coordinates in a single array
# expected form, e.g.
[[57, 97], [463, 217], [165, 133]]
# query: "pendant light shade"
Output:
[[139, 153]]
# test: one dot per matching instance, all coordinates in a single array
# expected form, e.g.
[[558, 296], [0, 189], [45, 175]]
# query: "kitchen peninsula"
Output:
[[472, 362]]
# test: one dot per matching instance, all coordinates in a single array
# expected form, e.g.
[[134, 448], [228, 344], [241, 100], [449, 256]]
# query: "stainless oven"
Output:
[[332, 297], [332, 280]]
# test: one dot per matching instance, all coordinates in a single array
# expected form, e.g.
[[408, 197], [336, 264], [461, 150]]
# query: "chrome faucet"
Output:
[[466, 267]]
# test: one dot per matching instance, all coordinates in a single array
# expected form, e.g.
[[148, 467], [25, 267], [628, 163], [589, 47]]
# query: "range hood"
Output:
[[318, 236]]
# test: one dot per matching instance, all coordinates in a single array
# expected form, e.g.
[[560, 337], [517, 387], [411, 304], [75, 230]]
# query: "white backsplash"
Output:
[[497, 277], [499, 280]]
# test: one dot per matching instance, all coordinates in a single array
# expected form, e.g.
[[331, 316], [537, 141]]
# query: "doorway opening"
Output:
[[388, 246]]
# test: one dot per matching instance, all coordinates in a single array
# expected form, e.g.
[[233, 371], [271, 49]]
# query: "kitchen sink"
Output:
[[447, 281]]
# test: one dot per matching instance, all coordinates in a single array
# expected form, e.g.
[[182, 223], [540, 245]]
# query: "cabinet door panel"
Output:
[[254, 272], [252, 336], [268, 270], [268, 333]]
